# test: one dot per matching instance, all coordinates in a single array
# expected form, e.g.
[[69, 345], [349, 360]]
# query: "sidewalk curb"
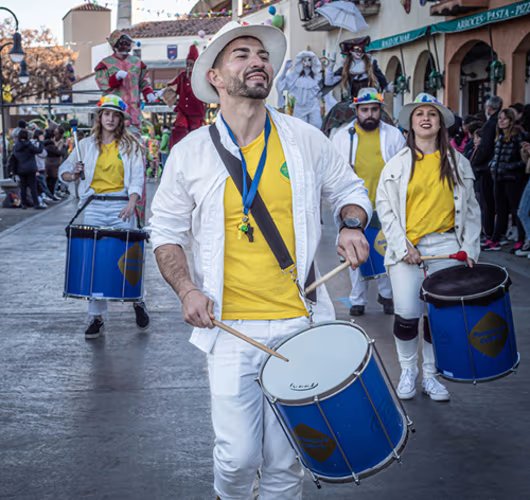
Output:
[[21, 224]]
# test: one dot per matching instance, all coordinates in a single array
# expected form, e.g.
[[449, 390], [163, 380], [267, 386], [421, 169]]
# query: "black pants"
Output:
[[486, 202], [28, 181], [507, 197]]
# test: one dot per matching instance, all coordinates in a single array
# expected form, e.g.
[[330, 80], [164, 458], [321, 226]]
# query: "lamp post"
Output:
[[16, 54]]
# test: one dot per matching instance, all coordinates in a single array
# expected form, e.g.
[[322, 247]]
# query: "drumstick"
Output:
[[253, 342], [327, 276], [461, 256], [73, 124]]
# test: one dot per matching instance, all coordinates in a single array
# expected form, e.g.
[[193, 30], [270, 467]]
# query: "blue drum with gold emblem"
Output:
[[470, 318], [335, 402], [104, 263]]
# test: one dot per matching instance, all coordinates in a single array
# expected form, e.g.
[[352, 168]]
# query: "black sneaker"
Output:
[[388, 304], [94, 329], [142, 318], [356, 310]]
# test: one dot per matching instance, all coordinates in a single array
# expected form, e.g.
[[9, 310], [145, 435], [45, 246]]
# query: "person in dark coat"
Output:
[[483, 156], [26, 167]]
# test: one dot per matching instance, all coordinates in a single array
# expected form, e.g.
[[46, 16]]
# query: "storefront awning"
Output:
[[474, 21], [393, 41]]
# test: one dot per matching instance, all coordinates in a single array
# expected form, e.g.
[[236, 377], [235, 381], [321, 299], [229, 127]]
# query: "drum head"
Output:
[[322, 359], [472, 284]]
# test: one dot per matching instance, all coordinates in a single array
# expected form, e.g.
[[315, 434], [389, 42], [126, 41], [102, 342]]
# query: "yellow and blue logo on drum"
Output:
[[489, 335], [316, 444], [380, 243], [131, 264]]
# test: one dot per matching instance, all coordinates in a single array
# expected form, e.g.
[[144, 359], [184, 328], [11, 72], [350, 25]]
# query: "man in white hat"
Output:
[[237, 277], [367, 143]]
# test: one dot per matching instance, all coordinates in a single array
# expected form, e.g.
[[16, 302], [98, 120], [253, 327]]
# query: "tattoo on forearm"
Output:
[[173, 265]]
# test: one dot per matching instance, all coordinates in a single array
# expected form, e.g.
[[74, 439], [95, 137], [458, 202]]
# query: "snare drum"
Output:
[[470, 318], [335, 402], [104, 263]]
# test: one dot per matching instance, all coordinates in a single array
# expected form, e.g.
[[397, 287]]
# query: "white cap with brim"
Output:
[[273, 41], [424, 99]]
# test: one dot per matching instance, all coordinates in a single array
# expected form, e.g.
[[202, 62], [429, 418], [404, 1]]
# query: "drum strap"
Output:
[[101, 197], [260, 213]]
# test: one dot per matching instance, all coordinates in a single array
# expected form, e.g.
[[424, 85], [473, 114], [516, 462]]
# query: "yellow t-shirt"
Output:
[[430, 204], [109, 173], [254, 285], [369, 159]]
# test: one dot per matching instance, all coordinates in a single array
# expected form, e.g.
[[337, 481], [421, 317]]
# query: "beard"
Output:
[[237, 87], [369, 124]]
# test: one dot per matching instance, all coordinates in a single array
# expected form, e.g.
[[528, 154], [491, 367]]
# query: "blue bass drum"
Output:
[[470, 318], [104, 263], [374, 267], [335, 402]]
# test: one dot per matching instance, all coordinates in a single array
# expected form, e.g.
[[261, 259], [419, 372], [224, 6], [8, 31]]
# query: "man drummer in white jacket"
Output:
[[367, 143], [237, 279]]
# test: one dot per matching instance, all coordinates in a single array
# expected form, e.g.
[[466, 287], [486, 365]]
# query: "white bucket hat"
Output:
[[273, 41], [424, 99]]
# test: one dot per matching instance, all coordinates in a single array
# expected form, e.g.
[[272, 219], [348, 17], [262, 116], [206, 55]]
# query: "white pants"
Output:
[[105, 214], [406, 282], [309, 115], [359, 288], [248, 436]]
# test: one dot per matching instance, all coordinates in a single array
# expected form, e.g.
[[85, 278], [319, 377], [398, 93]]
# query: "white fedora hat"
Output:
[[273, 41], [424, 99]]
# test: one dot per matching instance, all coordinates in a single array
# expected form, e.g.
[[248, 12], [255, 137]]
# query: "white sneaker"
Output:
[[406, 388], [435, 390]]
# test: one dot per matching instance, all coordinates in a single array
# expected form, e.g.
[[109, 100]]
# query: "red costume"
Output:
[[190, 111]]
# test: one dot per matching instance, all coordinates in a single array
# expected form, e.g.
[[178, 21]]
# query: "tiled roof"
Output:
[[180, 27], [87, 7]]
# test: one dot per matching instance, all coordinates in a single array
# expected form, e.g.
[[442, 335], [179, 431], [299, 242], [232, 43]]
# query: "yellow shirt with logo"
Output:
[[369, 159], [254, 285], [109, 172], [430, 204]]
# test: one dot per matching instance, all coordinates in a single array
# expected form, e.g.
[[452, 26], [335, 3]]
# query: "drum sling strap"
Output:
[[101, 197], [260, 213]]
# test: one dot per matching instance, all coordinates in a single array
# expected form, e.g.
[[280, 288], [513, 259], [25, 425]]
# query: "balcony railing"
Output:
[[313, 21]]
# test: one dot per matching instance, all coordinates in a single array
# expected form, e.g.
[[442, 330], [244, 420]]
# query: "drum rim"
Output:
[[87, 227], [335, 389], [451, 298], [67, 295]]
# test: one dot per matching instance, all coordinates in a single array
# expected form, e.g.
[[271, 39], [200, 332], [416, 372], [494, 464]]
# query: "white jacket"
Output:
[[390, 137], [133, 166], [188, 208], [391, 205]]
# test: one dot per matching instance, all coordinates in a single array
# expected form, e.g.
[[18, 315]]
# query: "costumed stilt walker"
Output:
[[125, 75], [302, 81], [368, 144], [111, 181], [190, 110], [359, 69]]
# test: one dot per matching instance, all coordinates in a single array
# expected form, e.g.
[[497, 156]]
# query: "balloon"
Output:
[[268, 22], [272, 10], [201, 33], [277, 21]]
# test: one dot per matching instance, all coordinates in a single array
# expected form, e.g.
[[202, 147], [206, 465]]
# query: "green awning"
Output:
[[474, 21], [505, 13], [393, 41]]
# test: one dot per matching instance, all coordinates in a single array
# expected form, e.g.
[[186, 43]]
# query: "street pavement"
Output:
[[127, 416]]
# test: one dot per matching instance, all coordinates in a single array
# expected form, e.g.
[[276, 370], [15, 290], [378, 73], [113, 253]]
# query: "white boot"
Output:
[[407, 351]]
